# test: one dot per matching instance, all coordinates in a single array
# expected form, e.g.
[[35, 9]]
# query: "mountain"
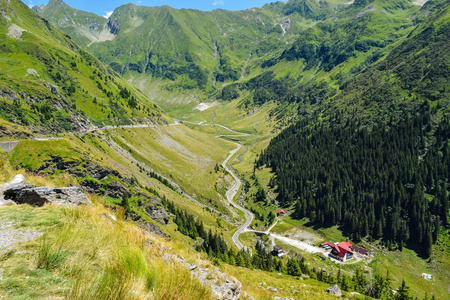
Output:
[[341, 115], [83, 27], [190, 49], [49, 83], [310, 47], [380, 146]]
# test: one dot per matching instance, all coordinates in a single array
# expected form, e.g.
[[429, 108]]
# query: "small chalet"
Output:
[[278, 251], [342, 251], [327, 245], [281, 213]]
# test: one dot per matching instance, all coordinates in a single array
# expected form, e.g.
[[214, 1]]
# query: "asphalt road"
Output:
[[232, 191]]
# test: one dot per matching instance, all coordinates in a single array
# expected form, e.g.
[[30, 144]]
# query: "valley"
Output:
[[223, 151]]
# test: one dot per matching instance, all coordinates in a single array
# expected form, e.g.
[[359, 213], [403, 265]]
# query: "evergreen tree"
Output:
[[403, 292]]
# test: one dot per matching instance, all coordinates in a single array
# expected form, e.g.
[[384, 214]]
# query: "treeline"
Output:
[[161, 179], [217, 249], [389, 182], [266, 87], [215, 246]]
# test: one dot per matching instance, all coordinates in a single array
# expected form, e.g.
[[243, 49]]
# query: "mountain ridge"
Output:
[[51, 83], [201, 53]]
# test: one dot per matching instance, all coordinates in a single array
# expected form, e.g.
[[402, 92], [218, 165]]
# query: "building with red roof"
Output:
[[281, 213], [342, 251], [327, 245]]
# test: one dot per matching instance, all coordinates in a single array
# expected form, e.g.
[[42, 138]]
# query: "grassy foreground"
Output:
[[85, 253]]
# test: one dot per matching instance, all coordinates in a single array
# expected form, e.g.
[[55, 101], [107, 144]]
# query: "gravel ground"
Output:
[[10, 237]]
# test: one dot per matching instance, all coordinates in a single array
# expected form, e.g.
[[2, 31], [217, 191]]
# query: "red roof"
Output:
[[281, 211], [343, 248], [345, 245], [329, 244]]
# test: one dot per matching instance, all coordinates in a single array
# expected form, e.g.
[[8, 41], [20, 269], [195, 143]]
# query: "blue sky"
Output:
[[103, 7]]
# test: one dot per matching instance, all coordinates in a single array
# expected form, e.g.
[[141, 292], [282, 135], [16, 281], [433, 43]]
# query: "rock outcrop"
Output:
[[158, 213], [223, 287], [21, 193], [155, 229], [83, 168], [334, 290]]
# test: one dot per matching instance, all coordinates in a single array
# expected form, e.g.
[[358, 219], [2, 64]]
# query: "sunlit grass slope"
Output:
[[49, 83]]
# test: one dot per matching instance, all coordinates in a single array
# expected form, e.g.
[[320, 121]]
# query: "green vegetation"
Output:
[[377, 179], [216, 248], [82, 255], [364, 86], [49, 83]]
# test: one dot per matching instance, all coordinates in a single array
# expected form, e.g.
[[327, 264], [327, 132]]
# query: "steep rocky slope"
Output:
[[49, 83]]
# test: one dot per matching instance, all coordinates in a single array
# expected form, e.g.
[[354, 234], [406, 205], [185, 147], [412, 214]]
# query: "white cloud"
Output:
[[107, 14], [30, 4], [218, 2]]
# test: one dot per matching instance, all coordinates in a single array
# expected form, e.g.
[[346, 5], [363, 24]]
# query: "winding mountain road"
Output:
[[231, 193], [233, 190]]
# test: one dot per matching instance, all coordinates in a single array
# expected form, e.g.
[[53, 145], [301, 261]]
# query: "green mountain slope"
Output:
[[49, 83], [191, 49], [89, 27], [298, 51], [380, 146]]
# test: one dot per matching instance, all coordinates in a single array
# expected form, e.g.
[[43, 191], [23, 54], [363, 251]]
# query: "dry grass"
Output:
[[95, 257]]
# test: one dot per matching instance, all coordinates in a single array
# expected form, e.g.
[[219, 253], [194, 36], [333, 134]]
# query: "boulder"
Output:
[[152, 228], [158, 213], [38, 196], [17, 181], [334, 290]]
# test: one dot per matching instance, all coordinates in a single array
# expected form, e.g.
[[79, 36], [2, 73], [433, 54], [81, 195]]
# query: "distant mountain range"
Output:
[[300, 51]]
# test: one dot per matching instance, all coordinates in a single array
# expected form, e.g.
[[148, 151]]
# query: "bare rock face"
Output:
[[222, 286], [155, 229], [38, 196], [21, 193], [334, 290], [18, 180], [159, 214]]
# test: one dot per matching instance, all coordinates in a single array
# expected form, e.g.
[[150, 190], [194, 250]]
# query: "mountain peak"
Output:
[[56, 2]]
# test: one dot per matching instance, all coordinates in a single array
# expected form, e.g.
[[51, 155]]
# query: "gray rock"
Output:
[[33, 72], [272, 289], [158, 213], [152, 228], [7, 146], [38, 196], [334, 290], [282, 298], [10, 237], [222, 286], [18, 180]]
